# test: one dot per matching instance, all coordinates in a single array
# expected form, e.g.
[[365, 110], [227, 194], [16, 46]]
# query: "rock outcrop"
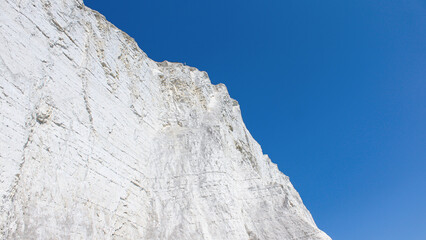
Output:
[[100, 142]]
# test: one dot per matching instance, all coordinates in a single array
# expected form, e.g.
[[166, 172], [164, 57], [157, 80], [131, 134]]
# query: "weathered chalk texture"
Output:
[[100, 142]]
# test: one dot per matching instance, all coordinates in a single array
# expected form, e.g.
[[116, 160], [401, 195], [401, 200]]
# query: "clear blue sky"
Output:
[[333, 90]]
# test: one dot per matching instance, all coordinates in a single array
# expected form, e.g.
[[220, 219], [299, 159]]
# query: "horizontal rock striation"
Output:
[[100, 142]]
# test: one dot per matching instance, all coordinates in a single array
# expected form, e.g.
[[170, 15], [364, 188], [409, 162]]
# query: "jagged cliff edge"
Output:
[[100, 142]]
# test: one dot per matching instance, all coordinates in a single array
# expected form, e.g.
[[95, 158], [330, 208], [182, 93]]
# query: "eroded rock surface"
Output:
[[100, 142]]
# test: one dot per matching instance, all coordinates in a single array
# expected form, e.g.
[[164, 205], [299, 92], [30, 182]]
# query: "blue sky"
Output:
[[334, 91]]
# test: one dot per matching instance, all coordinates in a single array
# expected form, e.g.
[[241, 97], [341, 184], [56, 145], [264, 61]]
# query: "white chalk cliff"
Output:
[[97, 141]]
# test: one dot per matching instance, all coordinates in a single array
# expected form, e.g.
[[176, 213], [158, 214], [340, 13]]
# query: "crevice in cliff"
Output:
[[85, 81]]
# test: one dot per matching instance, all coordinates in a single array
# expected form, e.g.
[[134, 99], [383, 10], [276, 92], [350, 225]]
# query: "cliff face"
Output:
[[100, 142]]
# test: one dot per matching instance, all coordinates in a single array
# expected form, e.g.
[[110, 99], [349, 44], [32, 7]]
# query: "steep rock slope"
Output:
[[100, 142]]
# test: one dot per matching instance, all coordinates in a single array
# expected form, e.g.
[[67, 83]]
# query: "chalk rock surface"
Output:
[[100, 142]]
